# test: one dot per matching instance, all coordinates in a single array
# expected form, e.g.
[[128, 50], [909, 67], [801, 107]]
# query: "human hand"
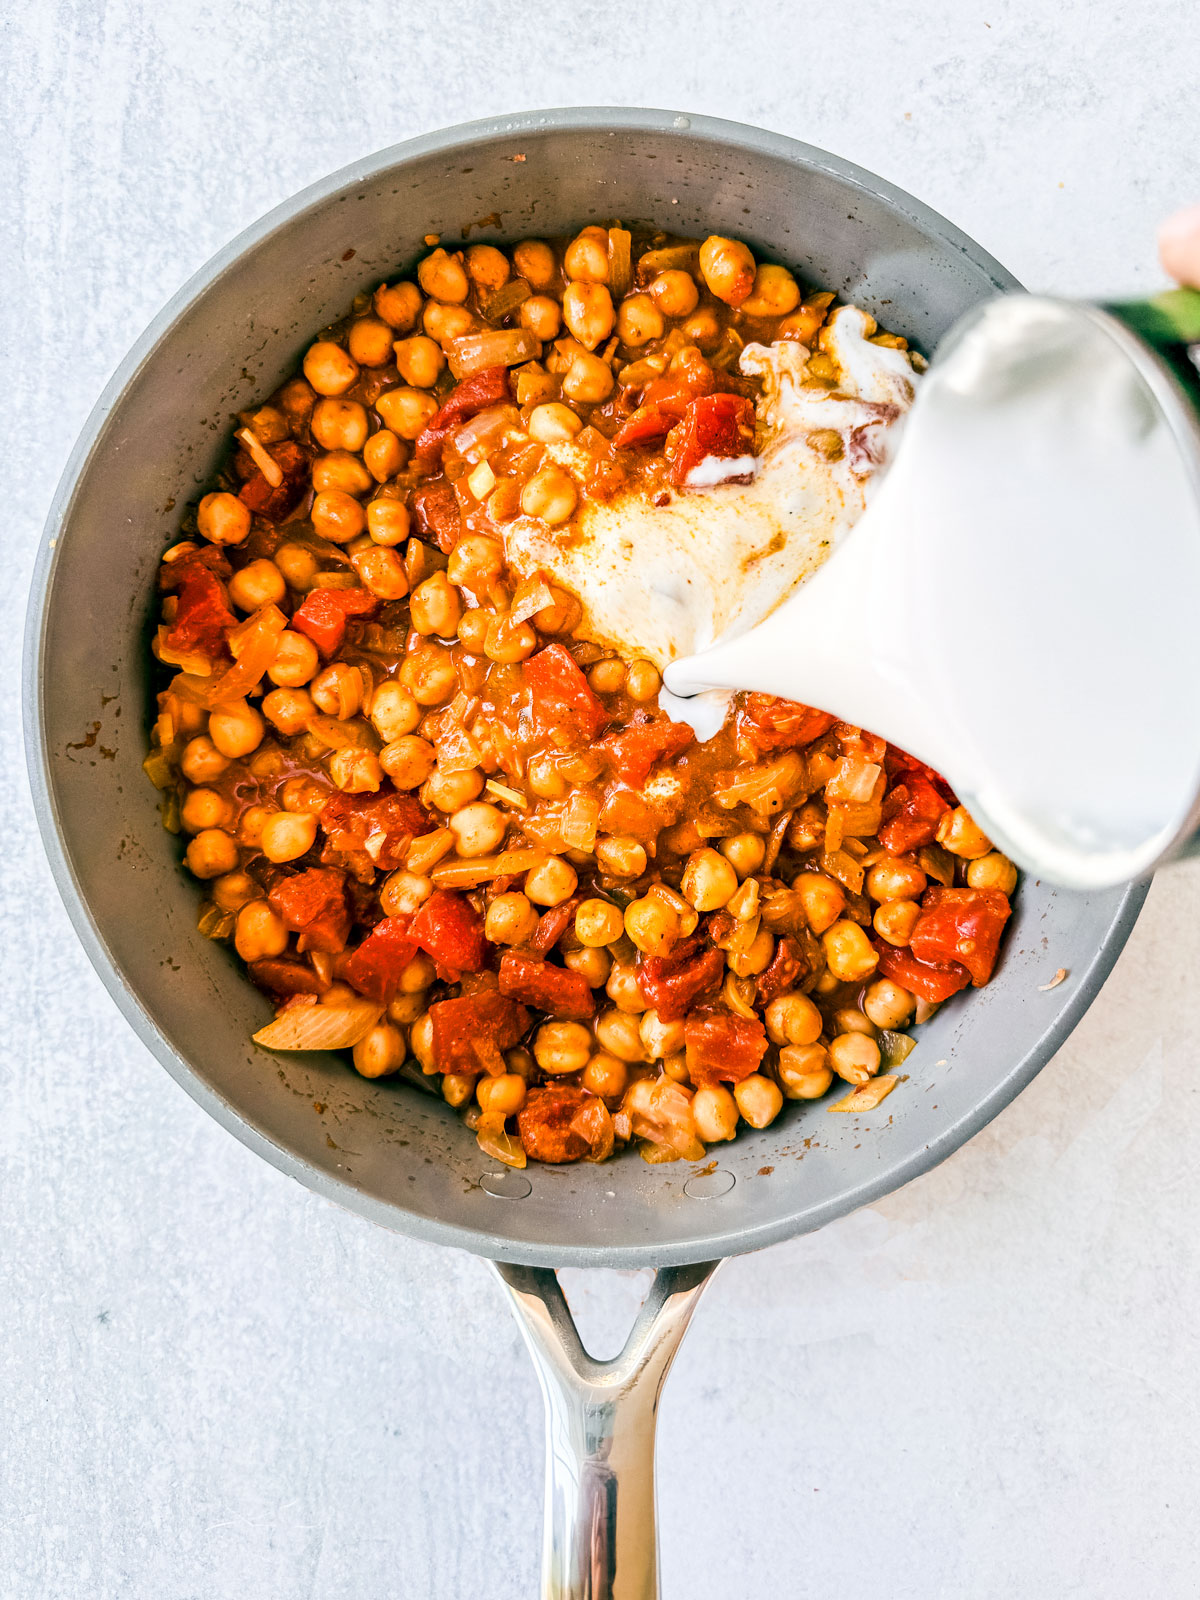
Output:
[[1179, 246]]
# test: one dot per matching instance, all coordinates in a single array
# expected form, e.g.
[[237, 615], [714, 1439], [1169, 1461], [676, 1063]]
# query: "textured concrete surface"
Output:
[[214, 1385]]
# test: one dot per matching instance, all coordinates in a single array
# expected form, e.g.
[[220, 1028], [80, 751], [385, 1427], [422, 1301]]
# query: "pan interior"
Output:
[[385, 1149]]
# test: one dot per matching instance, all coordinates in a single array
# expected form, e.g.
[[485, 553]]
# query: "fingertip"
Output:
[[1179, 245]]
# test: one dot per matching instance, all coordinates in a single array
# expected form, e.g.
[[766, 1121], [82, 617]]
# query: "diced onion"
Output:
[[338, 735], [854, 782], [581, 818], [492, 1139], [506, 298], [160, 766], [261, 456], [498, 347], [666, 1122], [510, 797], [620, 269], [848, 872], [427, 850], [532, 595], [937, 862], [320, 1027], [867, 1096], [254, 645], [671, 258], [214, 923], [457, 751], [484, 432], [765, 787], [468, 874], [895, 1047]]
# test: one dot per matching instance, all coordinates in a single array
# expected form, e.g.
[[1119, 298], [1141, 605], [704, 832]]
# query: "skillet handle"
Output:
[[599, 1541]]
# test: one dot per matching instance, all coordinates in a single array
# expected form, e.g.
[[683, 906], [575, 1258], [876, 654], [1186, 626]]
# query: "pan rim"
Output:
[[342, 1190]]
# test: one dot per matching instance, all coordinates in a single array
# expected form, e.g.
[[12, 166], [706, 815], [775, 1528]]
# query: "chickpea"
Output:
[[607, 677], [388, 521], [451, 791], [298, 565], [457, 1088], [380, 1052], [355, 771], [251, 826], [443, 277], [848, 952], [624, 990], [301, 794], [504, 1095], [337, 516], [896, 878], [593, 965], [774, 294], [959, 833], [204, 808], [588, 379], [793, 1019], [259, 583], [446, 323], [435, 606], [642, 680], [758, 1099], [417, 975], [420, 1042], [745, 853], [288, 710], [659, 1039], [407, 760], [406, 411], [338, 469], [544, 777], [895, 920], [586, 257], [588, 313], [551, 882], [259, 932], [399, 305], [550, 495], [728, 268], [709, 881], [475, 562], [804, 1071], [511, 919], [384, 455], [235, 728], [404, 892], [598, 923], [222, 518], [542, 316], [849, 1019], [822, 898], [675, 293], [854, 1057], [337, 691], [562, 1047], [639, 321], [370, 342], [382, 572], [233, 890], [618, 1033], [749, 963], [201, 761], [394, 712], [329, 370], [429, 675], [652, 925], [420, 361], [553, 421], [888, 1005], [715, 1112], [339, 424], [702, 328], [993, 871], [605, 1076], [478, 828], [534, 261], [212, 853], [620, 856], [296, 660], [406, 1008], [288, 835], [507, 641], [486, 266]]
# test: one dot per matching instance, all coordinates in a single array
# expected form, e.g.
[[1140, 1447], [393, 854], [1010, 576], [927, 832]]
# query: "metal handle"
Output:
[[599, 1541]]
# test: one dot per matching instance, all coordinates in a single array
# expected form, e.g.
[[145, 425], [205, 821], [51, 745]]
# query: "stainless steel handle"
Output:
[[599, 1541]]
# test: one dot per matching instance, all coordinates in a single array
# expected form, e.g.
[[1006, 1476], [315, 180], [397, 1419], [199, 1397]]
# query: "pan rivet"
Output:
[[709, 1185], [506, 1185]]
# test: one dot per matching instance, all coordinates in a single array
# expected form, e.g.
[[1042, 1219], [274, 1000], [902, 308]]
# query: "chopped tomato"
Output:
[[900, 764], [383, 824], [719, 425], [552, 924], [273, 502], [282, 979], [962, 925], [374, 969], [911, 813], [450, 930], [474, 394], [647, 425], [672, 985], [556, 990], [438, 515], [313, 904], [323, 614], [765, 723], [641, 745], [471, 1032], [562, 696], [928, 980], [722, 1048], [202, 613], [545, 1123], [664, 402], [788, 965], [858, 744]]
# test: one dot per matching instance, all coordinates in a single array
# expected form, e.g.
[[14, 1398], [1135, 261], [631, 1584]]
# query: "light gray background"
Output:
[[214, 1386]]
